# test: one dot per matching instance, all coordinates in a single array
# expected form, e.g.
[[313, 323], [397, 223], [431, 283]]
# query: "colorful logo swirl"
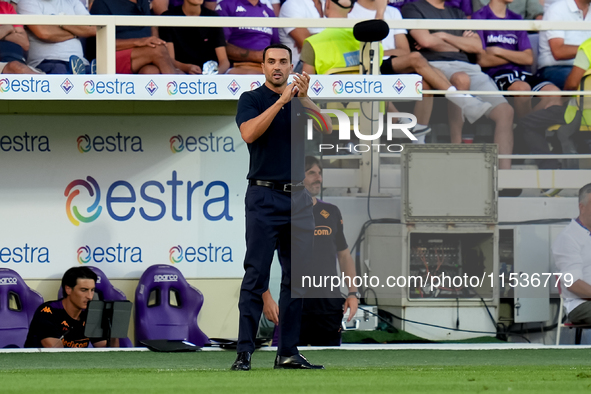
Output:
[[83, 250], [172, 88], [176, 144], [254, 85], [176, 250], [4, 85], [337, 87], [317, 118], [89, 87], [419, 87], [72, 211], [83, 143]]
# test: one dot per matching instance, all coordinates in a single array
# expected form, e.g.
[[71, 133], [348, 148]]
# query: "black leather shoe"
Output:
[[242, 362], [296, 361]]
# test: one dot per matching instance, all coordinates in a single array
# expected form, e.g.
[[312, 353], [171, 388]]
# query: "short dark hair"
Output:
[[277, 46], [584, 194], [310, 162], [72, 275]]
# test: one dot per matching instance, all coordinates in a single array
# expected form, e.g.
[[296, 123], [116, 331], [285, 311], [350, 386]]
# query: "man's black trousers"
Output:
[[284, 222]]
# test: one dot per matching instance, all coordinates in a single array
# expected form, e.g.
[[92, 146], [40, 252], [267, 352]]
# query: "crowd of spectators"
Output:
[[447, 60]]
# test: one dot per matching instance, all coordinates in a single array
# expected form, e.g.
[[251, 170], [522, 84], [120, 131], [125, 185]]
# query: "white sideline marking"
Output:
[[440, 346]]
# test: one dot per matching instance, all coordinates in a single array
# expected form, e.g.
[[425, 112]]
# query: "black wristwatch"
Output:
[[354, 293]]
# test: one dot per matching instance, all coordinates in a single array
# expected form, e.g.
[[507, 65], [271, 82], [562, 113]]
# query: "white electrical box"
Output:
[[366, 319], [449, 183]]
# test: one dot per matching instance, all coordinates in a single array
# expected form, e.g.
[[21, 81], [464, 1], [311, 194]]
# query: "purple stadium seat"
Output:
[[166, 307], [105, 291], [18, 303]]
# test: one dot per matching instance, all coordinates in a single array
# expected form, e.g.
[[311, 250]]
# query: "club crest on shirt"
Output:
[[324, 214]]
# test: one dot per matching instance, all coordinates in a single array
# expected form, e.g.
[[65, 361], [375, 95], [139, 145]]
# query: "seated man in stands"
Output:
[[245, 45], [572, 255], [321, 317], [57, 49], [339, 48], [581, 64], [61, 323], [13, 45], [506, 55], [558, 48], [448, 51], [195, 46], [139, 50], [294, 37], [527, 9]]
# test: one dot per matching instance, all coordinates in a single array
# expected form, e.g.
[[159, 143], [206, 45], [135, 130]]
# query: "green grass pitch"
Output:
[[367, 371]]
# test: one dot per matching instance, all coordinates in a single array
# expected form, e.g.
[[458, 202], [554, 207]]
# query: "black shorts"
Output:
[[506, 78], [321, 329], [386, 67]]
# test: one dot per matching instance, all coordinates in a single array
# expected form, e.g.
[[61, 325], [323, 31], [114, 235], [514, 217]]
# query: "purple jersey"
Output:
[[507, 39], [253, 38], [464, 5]]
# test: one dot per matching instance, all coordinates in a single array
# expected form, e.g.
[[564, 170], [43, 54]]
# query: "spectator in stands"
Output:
[[322, 317], [61, 323], [399, 60], [245, 44], [464, 5], [275, 5], [194, 46], [448, 51], [139, 50], [13, 45], [294, 37], [572, 253], [528, 9], [547, 4], [581, 64], [57, 49], [505, 57], [559, 47]]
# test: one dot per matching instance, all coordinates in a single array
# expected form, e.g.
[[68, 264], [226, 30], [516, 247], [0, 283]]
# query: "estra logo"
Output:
[[24, 143], [176, 254], [109, 87], [109, 254], [208, 143], [84, 254], [110, 143], [203, 254], [32, 85], [73, 190], [172, 88], [193, 88], [155, 198], [24, 254], [358, 87]]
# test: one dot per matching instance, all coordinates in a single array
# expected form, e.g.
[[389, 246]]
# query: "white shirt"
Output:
[[548, 3], [566, 11], [572, 254], [298, 9], [359, 12], [40, 50]]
